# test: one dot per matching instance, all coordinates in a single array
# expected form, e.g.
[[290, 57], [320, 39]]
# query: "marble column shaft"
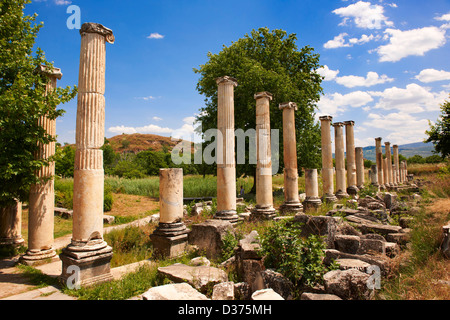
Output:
[[350, 153], [11, 225], [359, 159], [374, 175], [226, 166], [341, 189], [396, 164], [327, 159], [379, 160], [312, 200], [42, 195], [390, 177], [291, 198]]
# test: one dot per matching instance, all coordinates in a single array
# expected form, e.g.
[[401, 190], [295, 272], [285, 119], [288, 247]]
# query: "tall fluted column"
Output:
[[264, 198], [327, 160], [379, 160], [359, 159], [87, 249], [396, 165], [291, 199], [312, 201], [341, 189], [374, 175], [226, 165], [42, 195], [170, 237], [387, 149], [352, 189], [385, 173], [11, 226]]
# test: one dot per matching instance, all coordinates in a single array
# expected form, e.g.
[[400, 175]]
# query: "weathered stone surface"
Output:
[[63, 212], [378, 228], [108, 219], [318, 296], [392, 249], [279, 283], [199, 261], [380, 261], [319, 225], [266, 294], [249, 246], [445, 247], [405, 222], [371, 246], [345, 264], [400, 238], [349, 284], [373, 236], [347, 243], [242, 291], [208, 236], [200, 277], [389, 199], [174, 291], [223, 291]]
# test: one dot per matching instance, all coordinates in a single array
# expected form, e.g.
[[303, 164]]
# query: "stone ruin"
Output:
[[359, 242]]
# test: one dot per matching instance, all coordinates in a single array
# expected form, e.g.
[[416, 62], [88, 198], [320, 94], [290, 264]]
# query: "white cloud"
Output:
[[155, 35], [411, 42], [445, 17], [431, 75], [413, 99], [371, 79], [157, 118], [62, 2], [327, 73], [337, 42], [147, 98], [364, 14], [334, 103]]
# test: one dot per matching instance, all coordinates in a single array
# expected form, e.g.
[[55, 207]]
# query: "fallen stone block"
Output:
[[371, 246], [108, 219], [63, 212], [319, 225], [266, 294], [318, 296], [223, 291], [279, 283], [378, 228], [348, 284], [200, 277], [347, 243], [381, 261], [399, 238], [174, 291], [345, 264]]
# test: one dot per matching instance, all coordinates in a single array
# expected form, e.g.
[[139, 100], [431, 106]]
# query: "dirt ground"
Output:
[[131, 205]]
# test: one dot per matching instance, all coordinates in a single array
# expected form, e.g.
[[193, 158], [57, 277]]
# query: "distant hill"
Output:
[[407, 150]]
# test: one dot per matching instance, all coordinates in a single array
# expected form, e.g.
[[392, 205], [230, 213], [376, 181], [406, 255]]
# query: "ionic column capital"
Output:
[[264, 94], [326, 118], [49, 72], [378, 139], [337, 124], [349, 123], [287, 105], [91, 27], [227, 79]]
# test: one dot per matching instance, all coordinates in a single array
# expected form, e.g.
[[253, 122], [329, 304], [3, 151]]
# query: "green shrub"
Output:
[[297, 258], [229, 242], [108, 199]]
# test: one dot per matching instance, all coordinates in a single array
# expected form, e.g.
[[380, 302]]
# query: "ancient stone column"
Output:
[[390, 179], [291, 199], [11, 226], [312, 201], [385, 173], [226, 165], [42, 195], [379, 160], [374, 175], [171, 236], [87, 250], [352, 189], [341, 189], [359, 160], [396, 165], [264, 197], [327, 160]]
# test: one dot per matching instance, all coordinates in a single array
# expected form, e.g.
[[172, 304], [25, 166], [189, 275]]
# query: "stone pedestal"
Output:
[[379, 160], [42, 195], [359, 159], [341, 185], [171, 236], [312, 201], [226, 165], [291, 200], [264, 197], [11, 226], [327, 160], [352, 188], [87, 250]]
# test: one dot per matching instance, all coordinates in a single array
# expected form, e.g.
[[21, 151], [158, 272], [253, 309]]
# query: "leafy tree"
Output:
[[439, 133], [109, 156], [267, 61], [64, 161], [23, 101]]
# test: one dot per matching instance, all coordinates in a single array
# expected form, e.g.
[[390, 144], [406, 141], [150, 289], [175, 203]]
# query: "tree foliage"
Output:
[[439, 133], [23, 101], [267, 61]]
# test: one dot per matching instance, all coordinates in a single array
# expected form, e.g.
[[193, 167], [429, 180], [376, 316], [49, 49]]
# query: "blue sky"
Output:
[[386, 63]]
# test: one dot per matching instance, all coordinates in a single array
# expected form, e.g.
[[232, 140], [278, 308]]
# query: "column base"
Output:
[[170, 240], [227, 215], [92, 261], [329, 198], [11, 242], [37, 257], [263, 213], [341, 195], [352, 190], [291, 207], [312, 204]]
